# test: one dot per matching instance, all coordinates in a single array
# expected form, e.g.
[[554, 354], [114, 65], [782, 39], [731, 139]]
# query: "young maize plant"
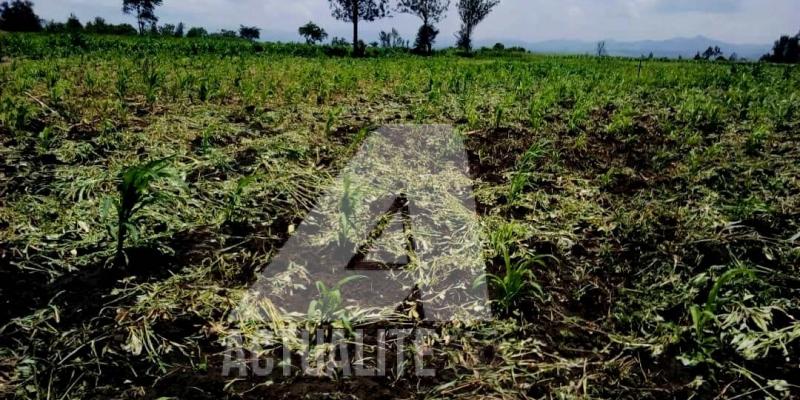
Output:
[[701, 317], [135, 192], [327, 310], [517, 281]]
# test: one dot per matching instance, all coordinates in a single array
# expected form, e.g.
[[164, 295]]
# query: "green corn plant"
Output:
[[90, 80], [45, 140], [536, 114], [205, 139], [152, 79], [186, 81], [516, 282], [519, 181], [135, 193], [202, 92], [57, 94], [505, 235], [235, 197], [701, 317], [332, 116], [622, 123], [328, 308], [52, 78], [527, 163], [498, 116], [14, 114], [755, 141], [577, 118], [122, 83], [530, 160], [347, 210]]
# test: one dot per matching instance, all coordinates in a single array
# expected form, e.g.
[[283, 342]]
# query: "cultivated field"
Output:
[[639, 220]]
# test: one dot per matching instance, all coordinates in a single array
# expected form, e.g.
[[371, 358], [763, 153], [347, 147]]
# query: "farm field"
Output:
[[641, 218]]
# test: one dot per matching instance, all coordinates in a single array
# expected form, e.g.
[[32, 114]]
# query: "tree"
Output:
[[196, 32], [249, 32], [226, 33], [392, 39], [145, 11], [179, 30], [339, 42], [601, 48], [312, 33], [18, 16], [354, 11], [712, 52], [426, 37], [100, 26], [73, 24], [430, 12], [472, 12], [167, 30], [55, 27], [785, 50]]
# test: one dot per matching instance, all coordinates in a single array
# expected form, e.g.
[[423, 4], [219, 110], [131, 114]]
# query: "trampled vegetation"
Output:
[[641, 221]]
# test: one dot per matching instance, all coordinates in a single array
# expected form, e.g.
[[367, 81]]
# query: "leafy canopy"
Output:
[[145, 11], [359, 10], [312, 33], [249, 32], [472, 13], [18, 16], [430, 11]]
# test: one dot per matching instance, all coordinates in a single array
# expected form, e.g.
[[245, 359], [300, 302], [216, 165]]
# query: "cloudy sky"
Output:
[[736, 21]]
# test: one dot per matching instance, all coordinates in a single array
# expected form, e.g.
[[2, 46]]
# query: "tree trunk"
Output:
[[427, 48], [356, 47], [139, 19]]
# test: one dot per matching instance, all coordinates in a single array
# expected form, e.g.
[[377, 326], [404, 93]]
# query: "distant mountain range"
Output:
[[671, 48]]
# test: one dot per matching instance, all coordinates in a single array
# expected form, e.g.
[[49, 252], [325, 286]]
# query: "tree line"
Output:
[[785, 50], [18, 16], [430, 12]]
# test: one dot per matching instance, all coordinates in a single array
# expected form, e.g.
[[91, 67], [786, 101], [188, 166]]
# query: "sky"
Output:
[[733, 21]]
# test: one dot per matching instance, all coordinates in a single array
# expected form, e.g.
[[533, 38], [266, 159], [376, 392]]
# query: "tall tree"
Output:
[[166, 30], [601, 48], [18, 16], [354, 11], [472, 12], [312, 33], [392, 40], [195, 31], [785, 50], [145, 11], [712, 52], [249, 32], [430, 12], [73, 24]]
